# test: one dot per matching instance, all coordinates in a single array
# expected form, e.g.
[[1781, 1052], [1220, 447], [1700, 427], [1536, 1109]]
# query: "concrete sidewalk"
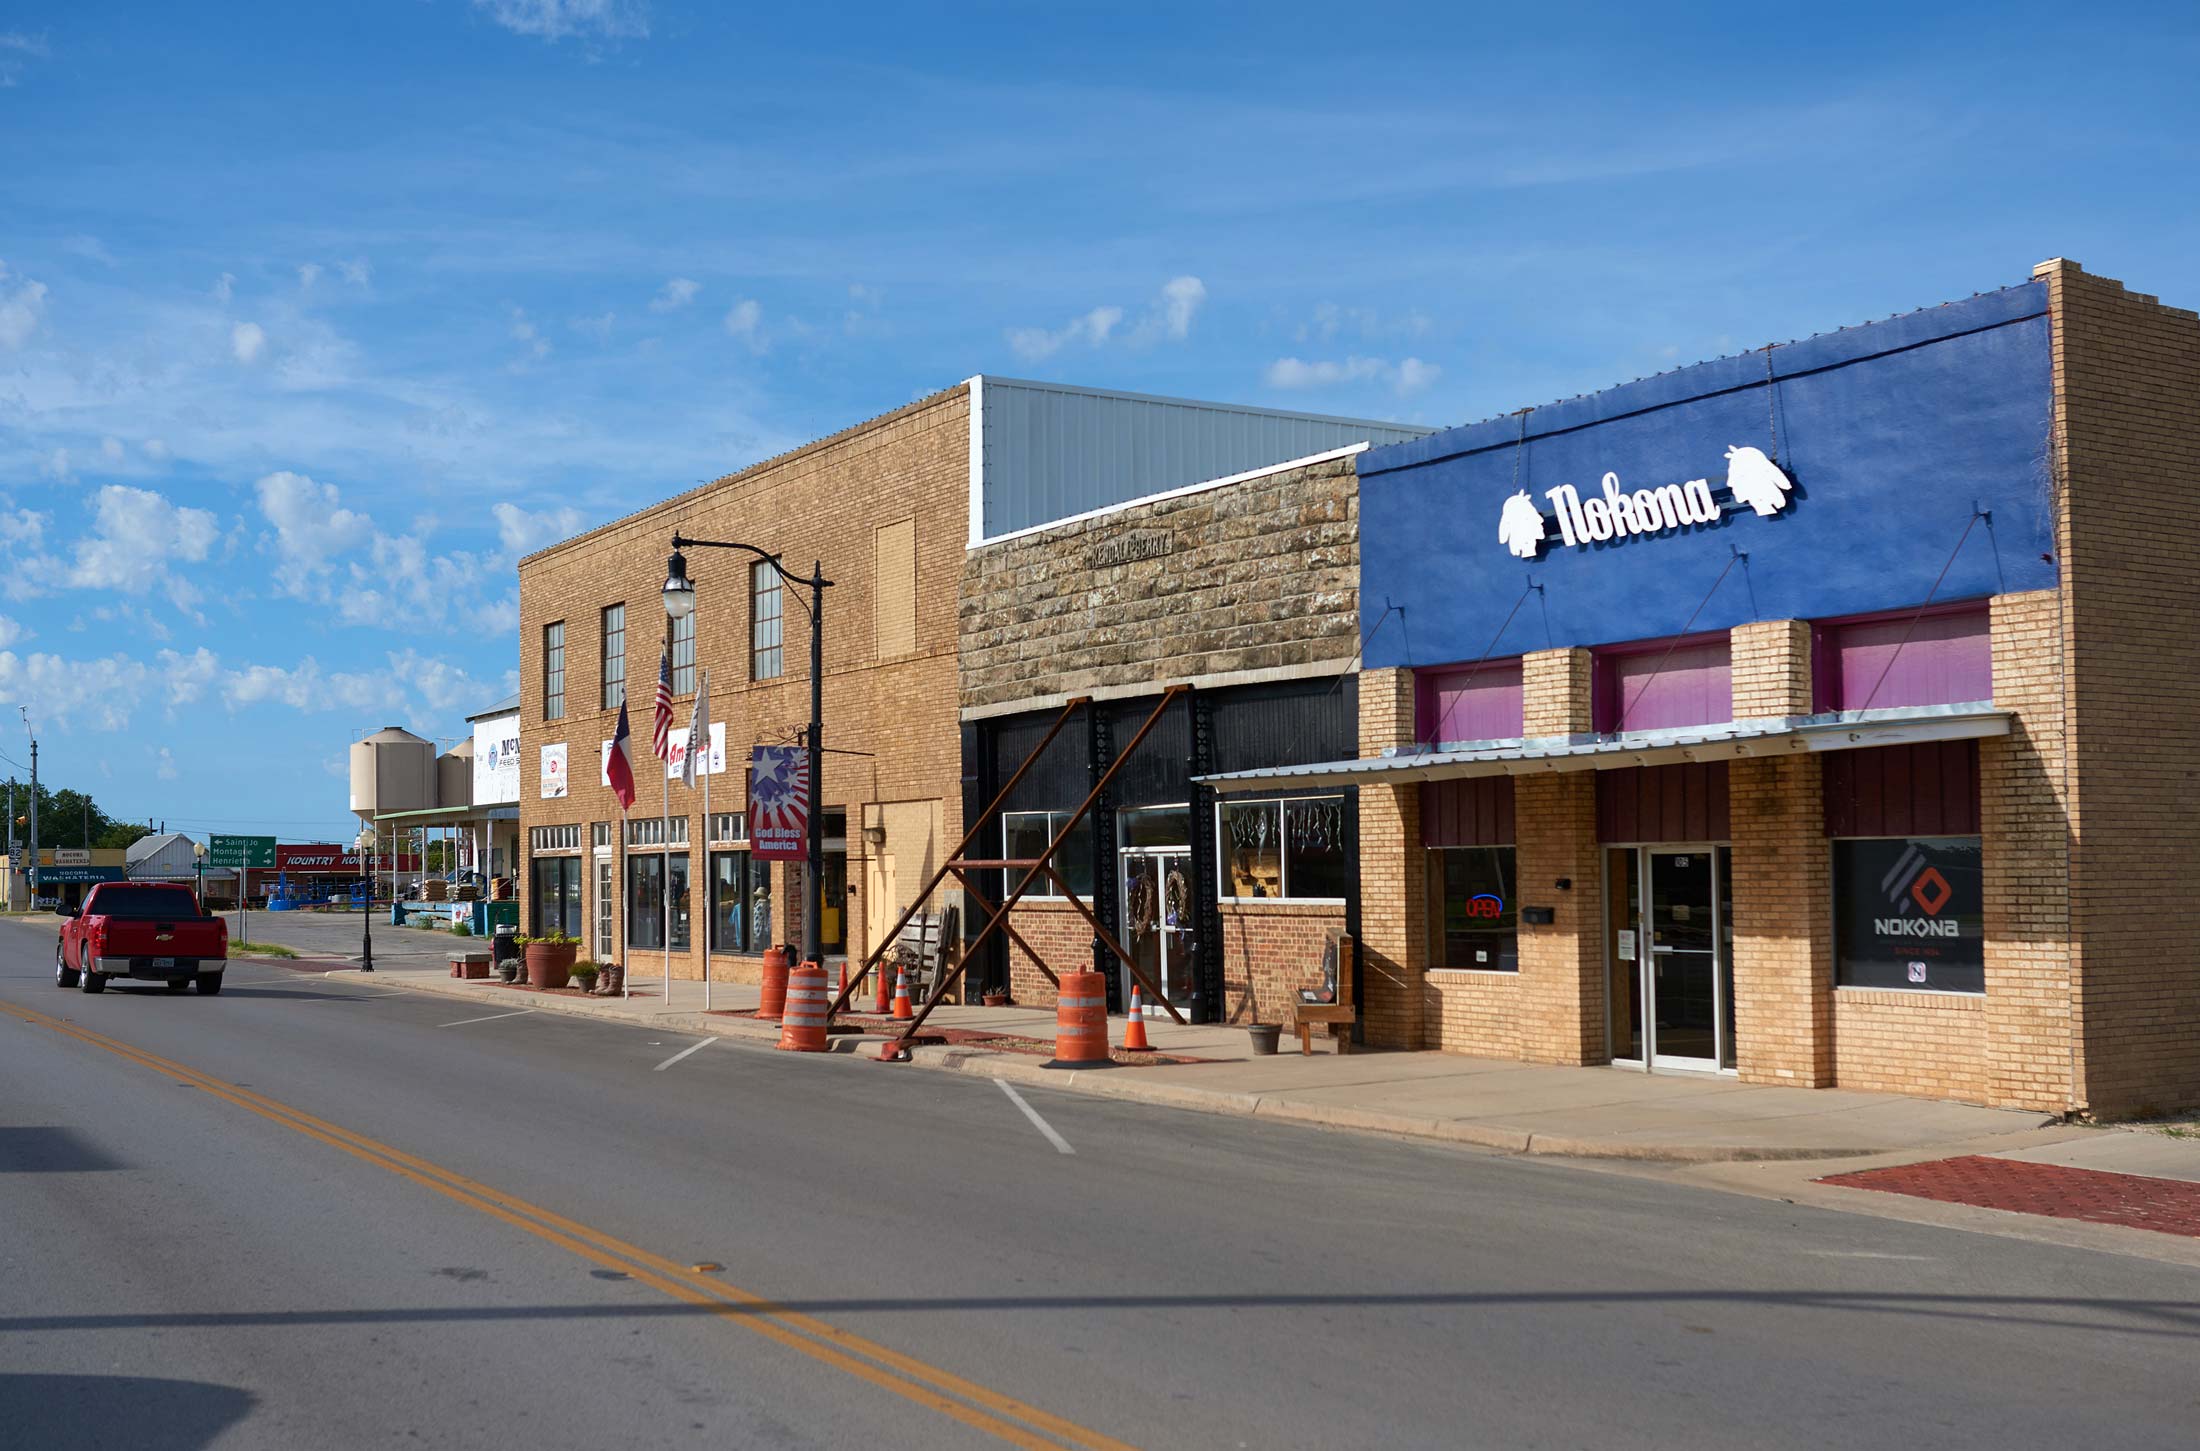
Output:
[[1514, 1107]]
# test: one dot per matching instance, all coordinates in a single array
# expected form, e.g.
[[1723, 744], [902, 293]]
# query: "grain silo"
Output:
[[392, 770]]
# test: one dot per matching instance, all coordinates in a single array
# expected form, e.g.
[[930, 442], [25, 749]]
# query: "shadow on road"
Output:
[[2176, 1319], [68, 1412], [48, 1149]]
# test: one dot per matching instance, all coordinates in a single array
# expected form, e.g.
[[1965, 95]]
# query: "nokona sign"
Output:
[[1752, 480]]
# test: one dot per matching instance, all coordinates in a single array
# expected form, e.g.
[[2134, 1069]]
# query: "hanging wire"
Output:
[[1489, 649], [1732, 560], [1918, 613], [1772, 407]]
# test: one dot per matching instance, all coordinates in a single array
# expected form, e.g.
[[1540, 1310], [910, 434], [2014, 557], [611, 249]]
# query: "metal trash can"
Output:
[[506, 942]]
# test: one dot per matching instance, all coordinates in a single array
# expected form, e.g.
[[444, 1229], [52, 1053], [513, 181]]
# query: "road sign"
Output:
[[15, 856], [72, 856], [240, 851]]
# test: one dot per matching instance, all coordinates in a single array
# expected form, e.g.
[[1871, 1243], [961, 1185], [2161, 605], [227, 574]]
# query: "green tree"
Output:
[[69, 817]]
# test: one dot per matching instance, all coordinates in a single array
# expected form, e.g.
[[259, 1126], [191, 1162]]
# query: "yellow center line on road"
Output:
[[912, 1379]]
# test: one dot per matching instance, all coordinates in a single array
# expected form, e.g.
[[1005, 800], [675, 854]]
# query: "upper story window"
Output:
[[766, 659], [683, 654], [652, 831], [729, 826], [555, 838], [553, 670], [1481, 702], [614, 656], [1937, 657], [1675, 683]]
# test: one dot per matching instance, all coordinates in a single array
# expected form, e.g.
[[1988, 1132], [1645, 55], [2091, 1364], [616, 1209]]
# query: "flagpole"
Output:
[[701, 726], [665, 881]]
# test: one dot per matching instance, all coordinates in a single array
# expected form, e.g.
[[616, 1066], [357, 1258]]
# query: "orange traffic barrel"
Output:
[[1081, 1020], [802, 1024], [775, 984]]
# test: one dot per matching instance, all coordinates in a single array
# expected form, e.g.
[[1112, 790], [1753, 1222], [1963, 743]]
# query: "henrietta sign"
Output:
[[1752, 480]]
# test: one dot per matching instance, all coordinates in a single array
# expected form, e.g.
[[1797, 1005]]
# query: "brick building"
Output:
[[889, 508], [1822, 715]]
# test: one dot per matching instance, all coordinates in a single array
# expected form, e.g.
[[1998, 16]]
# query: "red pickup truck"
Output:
[[141, 929]]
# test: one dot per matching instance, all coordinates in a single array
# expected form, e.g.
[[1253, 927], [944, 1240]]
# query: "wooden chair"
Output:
[[1333, 1004]]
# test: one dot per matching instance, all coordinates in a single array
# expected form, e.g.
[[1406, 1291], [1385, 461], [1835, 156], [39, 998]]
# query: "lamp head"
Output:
[[679, 589]]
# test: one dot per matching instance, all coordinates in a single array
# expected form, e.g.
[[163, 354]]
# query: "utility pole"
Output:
[[9, 894], [34, 812]]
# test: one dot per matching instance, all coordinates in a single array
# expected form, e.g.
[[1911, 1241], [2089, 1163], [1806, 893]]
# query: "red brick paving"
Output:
[[2168, 1206]]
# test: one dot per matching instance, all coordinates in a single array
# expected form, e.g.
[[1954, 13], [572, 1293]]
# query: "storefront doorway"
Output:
[[1669, 955], [1154, 905]]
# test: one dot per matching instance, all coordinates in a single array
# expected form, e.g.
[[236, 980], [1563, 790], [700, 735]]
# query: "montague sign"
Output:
[[1753, 481]]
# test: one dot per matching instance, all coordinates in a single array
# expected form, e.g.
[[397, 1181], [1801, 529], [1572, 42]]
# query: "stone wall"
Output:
[[1242, 579]]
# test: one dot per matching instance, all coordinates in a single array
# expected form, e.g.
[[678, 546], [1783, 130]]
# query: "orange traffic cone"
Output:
[[878, 975], [843, 982], [1134, 1032], [902, 1008]]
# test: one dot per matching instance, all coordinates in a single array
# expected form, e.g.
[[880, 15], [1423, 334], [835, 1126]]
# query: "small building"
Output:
[[66, 873], [1821, 715]]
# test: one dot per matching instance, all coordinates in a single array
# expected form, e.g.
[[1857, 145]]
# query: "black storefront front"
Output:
[[1152, 833]]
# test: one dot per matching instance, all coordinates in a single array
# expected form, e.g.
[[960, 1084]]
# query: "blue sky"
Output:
[[313, 317]]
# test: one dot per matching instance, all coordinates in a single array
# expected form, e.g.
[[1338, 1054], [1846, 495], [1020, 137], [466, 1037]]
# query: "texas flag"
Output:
[[619, 767]]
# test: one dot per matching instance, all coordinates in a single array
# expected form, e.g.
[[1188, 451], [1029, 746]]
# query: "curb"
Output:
[[1126, 1087]]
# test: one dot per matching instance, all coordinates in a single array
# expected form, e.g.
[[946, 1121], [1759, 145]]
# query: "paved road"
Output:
[[313, 1213]]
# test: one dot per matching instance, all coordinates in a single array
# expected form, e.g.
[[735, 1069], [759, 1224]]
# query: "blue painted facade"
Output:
[[1890, 432]]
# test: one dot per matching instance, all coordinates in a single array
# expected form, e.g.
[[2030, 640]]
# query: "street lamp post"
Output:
[[365, 843], [198, 857], [680, 603]]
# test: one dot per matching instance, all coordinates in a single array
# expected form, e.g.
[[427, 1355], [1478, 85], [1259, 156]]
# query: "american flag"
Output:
[[661, 741]]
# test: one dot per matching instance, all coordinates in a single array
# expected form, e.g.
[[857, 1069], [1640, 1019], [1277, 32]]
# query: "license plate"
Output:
[[164, 962]]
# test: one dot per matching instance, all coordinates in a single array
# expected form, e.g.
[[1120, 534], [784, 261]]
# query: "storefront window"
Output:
[[1283, 850], [645, 905], [1154, 826], [1024, 836], [740, 901], [1910, 913], [1478, 885]]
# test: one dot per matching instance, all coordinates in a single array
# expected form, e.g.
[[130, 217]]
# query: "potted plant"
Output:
[[996, 997], [550, 960], [508, 968], [584, 975]]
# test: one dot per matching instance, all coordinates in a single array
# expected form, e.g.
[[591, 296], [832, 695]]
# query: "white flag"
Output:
[[698, 736]]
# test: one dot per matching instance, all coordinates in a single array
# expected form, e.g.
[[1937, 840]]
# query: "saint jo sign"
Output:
[[1752, 479], [240, 851]]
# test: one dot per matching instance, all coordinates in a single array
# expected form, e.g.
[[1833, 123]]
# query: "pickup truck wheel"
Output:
[[92, 982], [63, 974], [210, 983]]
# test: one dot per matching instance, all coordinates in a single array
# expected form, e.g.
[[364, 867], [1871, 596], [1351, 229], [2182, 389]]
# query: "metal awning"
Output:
[[454, 815], [1850, 730]]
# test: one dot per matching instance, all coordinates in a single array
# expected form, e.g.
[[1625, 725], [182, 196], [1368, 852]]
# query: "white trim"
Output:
[[1978, 996], [977, 460], [1055, 700], [979, 540], [1512, 973]]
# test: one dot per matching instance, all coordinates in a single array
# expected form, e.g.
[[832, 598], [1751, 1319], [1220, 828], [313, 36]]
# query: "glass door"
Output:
[[1156, 914], [1668, 952], [607, 886]]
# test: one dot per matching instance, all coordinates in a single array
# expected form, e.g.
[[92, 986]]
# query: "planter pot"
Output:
[[508, 970], [550, 964], [1264, 1036], [996, 1000], [586, 984]]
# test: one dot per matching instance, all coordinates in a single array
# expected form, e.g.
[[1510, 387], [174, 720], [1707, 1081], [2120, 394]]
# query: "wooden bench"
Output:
[[1333, 1005]]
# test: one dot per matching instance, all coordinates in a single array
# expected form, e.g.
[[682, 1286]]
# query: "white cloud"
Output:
[[155, 449], [246, 340], [22, 306], [165, 765], [12, 632], [225, 287], [14, 45], [598, 328], [110, 449], [308, 274], [188, 676], [526, 334], [90, 248], [522, 532], [675, 294], [56, 466], [304, 687], [1408, 376], [358, 271], [101, 693], [312, 529], [555, 20], [136, 535], [1180, 298], [745, 320], [1093, 328]]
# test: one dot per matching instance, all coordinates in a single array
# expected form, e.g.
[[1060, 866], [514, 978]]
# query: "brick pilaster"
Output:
[[1393, 877], [1783, 931], [1554, 692], [1771, 668]]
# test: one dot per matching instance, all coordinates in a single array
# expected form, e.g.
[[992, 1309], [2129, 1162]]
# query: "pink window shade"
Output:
[[1471, 703], [1685, 685], [1930, 660]]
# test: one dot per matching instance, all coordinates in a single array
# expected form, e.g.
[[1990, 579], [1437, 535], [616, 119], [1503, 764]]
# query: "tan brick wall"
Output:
[[1771, 668], [1555, 692], [1269, 952], [1783, 930], [1930, 1044], [1393, 877], [1058, 934], [1562, 965], [1258, 575], [2127, 427], [1476, 1013], [820, 502]]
